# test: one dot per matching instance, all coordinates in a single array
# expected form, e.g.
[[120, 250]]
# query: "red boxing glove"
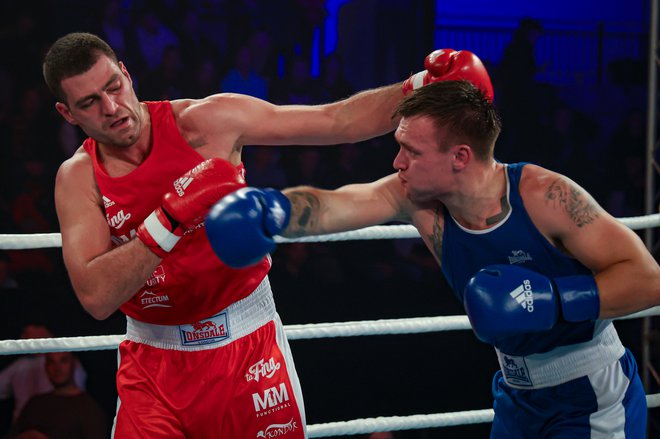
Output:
[[195, 192], [450, 65]]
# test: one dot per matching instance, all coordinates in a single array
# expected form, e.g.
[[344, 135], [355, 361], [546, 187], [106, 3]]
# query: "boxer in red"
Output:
[[205, 355]]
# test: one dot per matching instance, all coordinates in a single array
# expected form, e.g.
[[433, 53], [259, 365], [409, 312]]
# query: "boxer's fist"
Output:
[[506, 300], [188, 202], [241, 226], [451, 65]]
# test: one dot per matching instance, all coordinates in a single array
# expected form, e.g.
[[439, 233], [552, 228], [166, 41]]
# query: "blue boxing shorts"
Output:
[[607, 403]]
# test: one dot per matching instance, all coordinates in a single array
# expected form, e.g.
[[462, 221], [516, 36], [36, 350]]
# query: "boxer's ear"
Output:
[[461, 155]]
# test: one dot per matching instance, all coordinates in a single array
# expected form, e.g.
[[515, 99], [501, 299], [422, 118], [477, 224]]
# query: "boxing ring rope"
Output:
[[322, 330], [50, 240]]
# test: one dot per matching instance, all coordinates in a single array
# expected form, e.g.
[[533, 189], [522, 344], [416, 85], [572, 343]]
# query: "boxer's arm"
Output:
[[233, 119], [316, 211], [103, 278], [245, 120], [241, 226], [627, 276]]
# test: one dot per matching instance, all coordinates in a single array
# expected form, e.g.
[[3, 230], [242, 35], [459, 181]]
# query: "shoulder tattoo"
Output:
[[435, 238], [579, 205], [305, 208]]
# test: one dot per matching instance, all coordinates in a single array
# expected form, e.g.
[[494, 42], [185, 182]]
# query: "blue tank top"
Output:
[[514, 240]]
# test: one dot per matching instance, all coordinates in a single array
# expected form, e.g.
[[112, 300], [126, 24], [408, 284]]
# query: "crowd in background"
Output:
[[190, 49]]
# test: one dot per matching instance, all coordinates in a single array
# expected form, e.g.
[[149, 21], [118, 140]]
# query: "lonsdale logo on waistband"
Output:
[[205, 331]]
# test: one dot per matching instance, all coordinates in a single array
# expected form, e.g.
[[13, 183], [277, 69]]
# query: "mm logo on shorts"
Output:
[[206, 331]]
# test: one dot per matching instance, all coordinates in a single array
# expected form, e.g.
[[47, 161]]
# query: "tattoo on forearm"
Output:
[[436, 237], [579, 206], [305, 209]]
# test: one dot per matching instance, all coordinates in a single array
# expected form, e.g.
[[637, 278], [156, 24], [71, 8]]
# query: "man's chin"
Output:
[[413, 196], [124, 141], [418, 198]]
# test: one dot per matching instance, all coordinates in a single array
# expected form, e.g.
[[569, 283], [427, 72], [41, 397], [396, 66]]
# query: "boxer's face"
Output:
[[424, 168], [59, 368], [103, 103]]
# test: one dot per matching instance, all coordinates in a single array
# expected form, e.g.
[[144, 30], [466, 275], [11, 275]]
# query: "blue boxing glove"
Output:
[[241, 226], [507, 300]]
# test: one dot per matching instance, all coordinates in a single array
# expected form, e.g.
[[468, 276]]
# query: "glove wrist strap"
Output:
[[579, 297], [155, 235], [415, 81]]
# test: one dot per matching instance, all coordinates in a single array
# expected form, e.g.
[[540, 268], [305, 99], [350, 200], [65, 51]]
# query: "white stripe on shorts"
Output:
[[283, 344], [609, 385]]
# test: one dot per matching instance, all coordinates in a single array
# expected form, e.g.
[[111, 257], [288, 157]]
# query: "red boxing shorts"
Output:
[[228, 376]]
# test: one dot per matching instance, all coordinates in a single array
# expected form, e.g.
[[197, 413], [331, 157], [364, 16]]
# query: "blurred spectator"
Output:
[[334, 84], [113, 28], [307, 165], [346, 168], [26, 376], [263, 168], [33, 207], [242, 78], [22, 39], [519, 59], [197, 43], [297, 87], [165, 82], [310, 14], [563, 145], [210, 23], [204, 80], [6, 281], [31, 127], [66, 412], [33, 211], [292, 263], [153, 38], [381, 435], [625, 164], [261, 54], [69, 138], [517, 96]]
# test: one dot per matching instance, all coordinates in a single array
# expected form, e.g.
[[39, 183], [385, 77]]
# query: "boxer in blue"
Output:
[[540, 267]]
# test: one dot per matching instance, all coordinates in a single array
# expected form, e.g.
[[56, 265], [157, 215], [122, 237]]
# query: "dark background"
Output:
[[574, 101]]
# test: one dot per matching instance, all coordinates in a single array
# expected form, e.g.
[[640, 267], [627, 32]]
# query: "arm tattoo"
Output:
[[436, 237], [305, 211], [579, 206]]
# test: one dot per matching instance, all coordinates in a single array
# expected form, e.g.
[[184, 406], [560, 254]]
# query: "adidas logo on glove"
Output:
[[180, 185], [524, 296]]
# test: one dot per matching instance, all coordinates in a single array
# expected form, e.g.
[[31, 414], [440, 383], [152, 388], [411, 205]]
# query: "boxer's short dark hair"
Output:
[[470, 117], [71, 55]]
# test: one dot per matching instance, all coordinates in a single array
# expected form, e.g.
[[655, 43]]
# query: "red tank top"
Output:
[[191, 283]]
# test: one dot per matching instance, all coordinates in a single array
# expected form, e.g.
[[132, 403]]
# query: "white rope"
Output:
[[373, 232], [24, 242], [394, 423], [60, 344], [48, 240], [415, 325]]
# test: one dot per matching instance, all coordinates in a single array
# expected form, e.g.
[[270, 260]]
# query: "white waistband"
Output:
[[564, 363], [237, 320]]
